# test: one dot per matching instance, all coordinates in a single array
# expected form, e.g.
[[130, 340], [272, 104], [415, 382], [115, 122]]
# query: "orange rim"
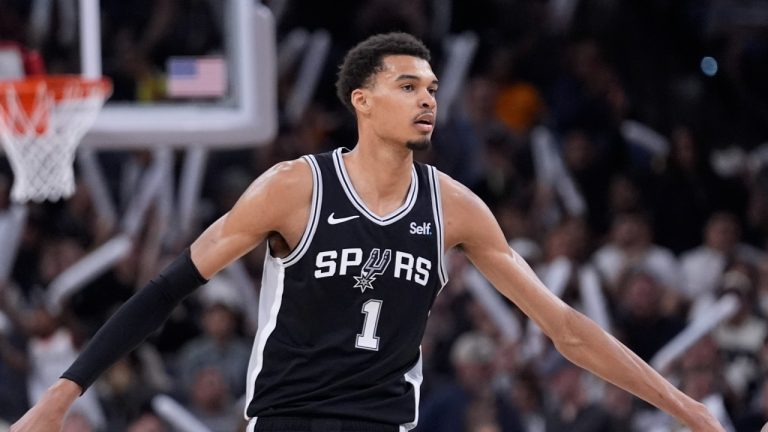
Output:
[[59, 86]]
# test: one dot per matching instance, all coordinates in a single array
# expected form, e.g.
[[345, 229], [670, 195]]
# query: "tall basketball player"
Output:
[[356, 245]]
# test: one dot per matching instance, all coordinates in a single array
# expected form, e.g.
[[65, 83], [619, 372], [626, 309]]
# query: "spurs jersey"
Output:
[[342, 316]]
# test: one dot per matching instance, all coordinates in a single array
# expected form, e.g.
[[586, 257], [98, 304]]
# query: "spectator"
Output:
[[470, 402], [620, 405], [528, 396], [51, 349], [127, 386], [211, 401], [569, 275], [688, 191], [220, 347], [757, 415], [148, 421], [701, 377], [78, 422], [641, 323], [517, 230], [762, 287], [569, 408], [14, 363], [631, 246], [592, 170], [740, 339], [703, 266], [625, 195], [448, 319]]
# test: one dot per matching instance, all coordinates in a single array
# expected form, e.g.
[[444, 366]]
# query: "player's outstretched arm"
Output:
[[275, 203], [471, 225]]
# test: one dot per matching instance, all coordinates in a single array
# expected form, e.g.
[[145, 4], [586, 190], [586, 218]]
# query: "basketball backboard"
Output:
[[197, 72], [11, 64]]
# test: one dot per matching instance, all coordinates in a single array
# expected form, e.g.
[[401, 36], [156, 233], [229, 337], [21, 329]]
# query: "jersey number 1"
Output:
[[368, 339]]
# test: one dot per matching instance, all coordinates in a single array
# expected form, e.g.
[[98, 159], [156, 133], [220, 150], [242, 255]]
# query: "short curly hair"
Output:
[[365, 59]]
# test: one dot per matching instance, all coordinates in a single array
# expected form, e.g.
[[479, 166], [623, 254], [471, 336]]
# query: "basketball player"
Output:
[[356, 257]]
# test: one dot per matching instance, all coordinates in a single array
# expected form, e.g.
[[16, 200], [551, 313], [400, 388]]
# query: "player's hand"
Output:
[[38, 419], [48, 414], [701, 420]]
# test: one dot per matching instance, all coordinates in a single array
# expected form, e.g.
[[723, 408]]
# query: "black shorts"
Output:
[[300, 424]]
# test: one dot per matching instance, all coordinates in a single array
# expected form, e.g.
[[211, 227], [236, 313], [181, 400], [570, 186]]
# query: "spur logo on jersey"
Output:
[[375, 266], [347, 261], [423, 229]]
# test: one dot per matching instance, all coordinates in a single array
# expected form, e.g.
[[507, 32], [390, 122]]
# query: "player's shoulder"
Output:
[[291, 175], [463, 211], [284, 183], [297, 170], [452, 191]]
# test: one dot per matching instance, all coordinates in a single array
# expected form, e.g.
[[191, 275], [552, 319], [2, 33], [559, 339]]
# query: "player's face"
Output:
[[403, 107]]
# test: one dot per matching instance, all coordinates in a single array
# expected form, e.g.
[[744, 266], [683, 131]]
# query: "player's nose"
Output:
[[428, 100]]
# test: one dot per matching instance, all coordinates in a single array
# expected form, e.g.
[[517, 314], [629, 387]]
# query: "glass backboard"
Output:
[[207, 76]]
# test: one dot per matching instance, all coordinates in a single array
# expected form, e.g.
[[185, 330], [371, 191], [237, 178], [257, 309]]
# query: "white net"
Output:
[[40, 133]]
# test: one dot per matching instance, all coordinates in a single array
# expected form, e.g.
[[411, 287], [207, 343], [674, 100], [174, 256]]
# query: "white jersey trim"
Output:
[[314, 214], [414, 376], [354, 198], [437, 211], [270, 300]]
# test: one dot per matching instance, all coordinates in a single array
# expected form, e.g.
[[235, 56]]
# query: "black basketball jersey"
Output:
[[341, 317]]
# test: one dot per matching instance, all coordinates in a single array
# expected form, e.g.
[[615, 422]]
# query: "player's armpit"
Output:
[[278, 201]]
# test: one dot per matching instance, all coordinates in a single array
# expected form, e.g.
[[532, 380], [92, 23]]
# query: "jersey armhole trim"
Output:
[[437, 211], [414, 377], [314, 214]]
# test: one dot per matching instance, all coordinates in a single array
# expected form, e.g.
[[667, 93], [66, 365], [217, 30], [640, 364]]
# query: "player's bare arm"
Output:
[[275, 206], [470, 225]]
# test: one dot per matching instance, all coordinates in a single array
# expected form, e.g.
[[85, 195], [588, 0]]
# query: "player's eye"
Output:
[[432, 90], [407, 87]]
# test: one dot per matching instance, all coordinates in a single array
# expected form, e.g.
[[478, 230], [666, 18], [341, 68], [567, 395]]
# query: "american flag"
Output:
[[197, 77]]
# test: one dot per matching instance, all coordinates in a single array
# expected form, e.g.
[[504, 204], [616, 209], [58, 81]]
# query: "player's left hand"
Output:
[[701, 420]]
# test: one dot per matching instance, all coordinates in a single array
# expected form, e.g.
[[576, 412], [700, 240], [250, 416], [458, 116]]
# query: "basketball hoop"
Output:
[[42, 120]]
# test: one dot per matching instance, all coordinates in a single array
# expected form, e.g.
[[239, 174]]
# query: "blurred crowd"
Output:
[[626, 167]]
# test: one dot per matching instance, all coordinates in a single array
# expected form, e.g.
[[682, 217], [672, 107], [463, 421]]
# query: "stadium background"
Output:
[[623, 146]]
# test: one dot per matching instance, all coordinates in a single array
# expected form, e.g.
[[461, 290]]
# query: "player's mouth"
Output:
[[425, 122]]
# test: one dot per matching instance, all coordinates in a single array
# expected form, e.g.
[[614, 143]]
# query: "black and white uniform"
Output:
[[342, 317]]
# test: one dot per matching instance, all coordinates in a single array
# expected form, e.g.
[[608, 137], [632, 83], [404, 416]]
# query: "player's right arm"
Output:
[[275, 204]]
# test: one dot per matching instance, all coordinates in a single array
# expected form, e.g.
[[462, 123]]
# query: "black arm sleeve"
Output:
[[135, 320]]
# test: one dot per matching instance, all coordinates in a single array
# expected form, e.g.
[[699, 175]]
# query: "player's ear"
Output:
[[360, 100]]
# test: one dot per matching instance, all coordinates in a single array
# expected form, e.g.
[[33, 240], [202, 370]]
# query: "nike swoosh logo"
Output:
[[333, 221]]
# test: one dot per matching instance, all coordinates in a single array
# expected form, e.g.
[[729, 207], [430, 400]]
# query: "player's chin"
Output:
[[419, 144]]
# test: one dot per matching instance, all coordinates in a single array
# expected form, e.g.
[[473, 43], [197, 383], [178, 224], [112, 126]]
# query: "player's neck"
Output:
[[381, 174]]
